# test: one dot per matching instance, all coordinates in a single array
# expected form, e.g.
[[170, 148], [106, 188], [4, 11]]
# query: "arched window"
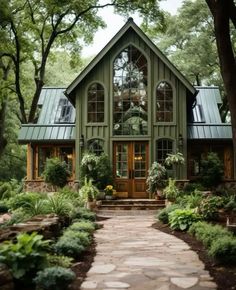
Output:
[[130, 80], [96, 146], [163, 147], [95, 103], [164, 102]]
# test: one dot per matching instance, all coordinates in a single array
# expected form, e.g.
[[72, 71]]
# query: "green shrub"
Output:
[[81, 238], [223, 250], [59, 205], [208, 233], [35, 207], [212, 170], [191, 187], [163, 215], [25, 257], [182, 219], [171, 191], [83, 225], [56, 172], [190, 201], [71, 195], [83, 213], [5, 190], [24, 198], [54, 278], [209, 207], [59, 260], [68, 246]]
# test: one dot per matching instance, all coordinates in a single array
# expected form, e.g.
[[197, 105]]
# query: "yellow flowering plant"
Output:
[[109, 190]]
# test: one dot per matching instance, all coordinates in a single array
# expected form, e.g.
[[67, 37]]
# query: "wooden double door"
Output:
[[130, 165]]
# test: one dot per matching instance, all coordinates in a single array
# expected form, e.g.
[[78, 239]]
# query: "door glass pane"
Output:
[[122, 161], [139, 160]]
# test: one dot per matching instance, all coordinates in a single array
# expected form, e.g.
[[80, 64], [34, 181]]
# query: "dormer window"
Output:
[[198, 116], [164, 102], [64, 111]]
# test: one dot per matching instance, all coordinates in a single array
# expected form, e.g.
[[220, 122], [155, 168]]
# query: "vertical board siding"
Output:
[[102, 73]]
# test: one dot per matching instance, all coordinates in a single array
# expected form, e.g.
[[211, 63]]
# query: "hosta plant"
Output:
[[182, 219], [25, 257]]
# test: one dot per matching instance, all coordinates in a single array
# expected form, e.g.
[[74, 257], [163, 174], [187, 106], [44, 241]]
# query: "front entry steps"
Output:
[[129, 207]]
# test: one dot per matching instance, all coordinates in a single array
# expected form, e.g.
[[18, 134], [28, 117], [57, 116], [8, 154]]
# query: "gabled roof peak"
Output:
[[129, 24]]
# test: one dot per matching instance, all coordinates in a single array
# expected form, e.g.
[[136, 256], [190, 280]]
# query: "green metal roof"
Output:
[[46, 130], [43, 133], [129, 25], [210, 131], [49, 100], [211, 126]]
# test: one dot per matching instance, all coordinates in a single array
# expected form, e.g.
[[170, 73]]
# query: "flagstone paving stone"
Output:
[[133, 255]]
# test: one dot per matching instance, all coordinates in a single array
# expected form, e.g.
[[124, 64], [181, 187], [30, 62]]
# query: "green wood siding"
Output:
[[157, 71]]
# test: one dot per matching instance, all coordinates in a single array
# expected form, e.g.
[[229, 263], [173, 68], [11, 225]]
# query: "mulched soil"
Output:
[[83, 265], [225, 277]]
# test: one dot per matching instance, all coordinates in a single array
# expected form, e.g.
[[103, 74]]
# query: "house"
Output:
[[133, 104]]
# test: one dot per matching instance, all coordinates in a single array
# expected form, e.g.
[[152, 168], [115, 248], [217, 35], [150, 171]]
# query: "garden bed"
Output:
[[224, 276]]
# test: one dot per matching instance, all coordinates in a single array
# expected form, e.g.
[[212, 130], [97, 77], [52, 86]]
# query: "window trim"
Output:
[[174, 103]]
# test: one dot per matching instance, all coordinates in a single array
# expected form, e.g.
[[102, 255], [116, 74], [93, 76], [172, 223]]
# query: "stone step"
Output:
[[133, 202], [110, 213], [130, 206]]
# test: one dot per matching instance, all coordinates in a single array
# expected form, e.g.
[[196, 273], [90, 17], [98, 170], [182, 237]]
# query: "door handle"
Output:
[[130, 174]]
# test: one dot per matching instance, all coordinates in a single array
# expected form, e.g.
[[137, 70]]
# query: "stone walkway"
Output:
[[133, 255]]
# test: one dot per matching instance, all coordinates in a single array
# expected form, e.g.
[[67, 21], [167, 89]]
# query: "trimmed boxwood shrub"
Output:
[[83, 225], [54, 278], [83, 213], [68, 246], [81, 238], [208, 233], [224, 250]]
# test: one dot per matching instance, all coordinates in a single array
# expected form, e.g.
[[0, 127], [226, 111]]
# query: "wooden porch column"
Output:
[[29, 162]]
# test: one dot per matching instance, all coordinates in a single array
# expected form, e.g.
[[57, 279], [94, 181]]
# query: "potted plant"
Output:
[[88, 192], [156, 180], [109, 192], [171, 191]]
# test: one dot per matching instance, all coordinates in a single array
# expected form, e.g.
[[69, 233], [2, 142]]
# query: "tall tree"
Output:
[[35, 28], [188, 38], [224, 15]]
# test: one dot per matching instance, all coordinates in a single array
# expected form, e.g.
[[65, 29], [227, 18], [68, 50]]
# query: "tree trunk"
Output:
[[221, 13], [3, 140]]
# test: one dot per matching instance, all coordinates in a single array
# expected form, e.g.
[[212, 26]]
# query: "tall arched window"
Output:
[[130, 80], [95, 103], [164, 102], [96, 146], [163, 147]]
